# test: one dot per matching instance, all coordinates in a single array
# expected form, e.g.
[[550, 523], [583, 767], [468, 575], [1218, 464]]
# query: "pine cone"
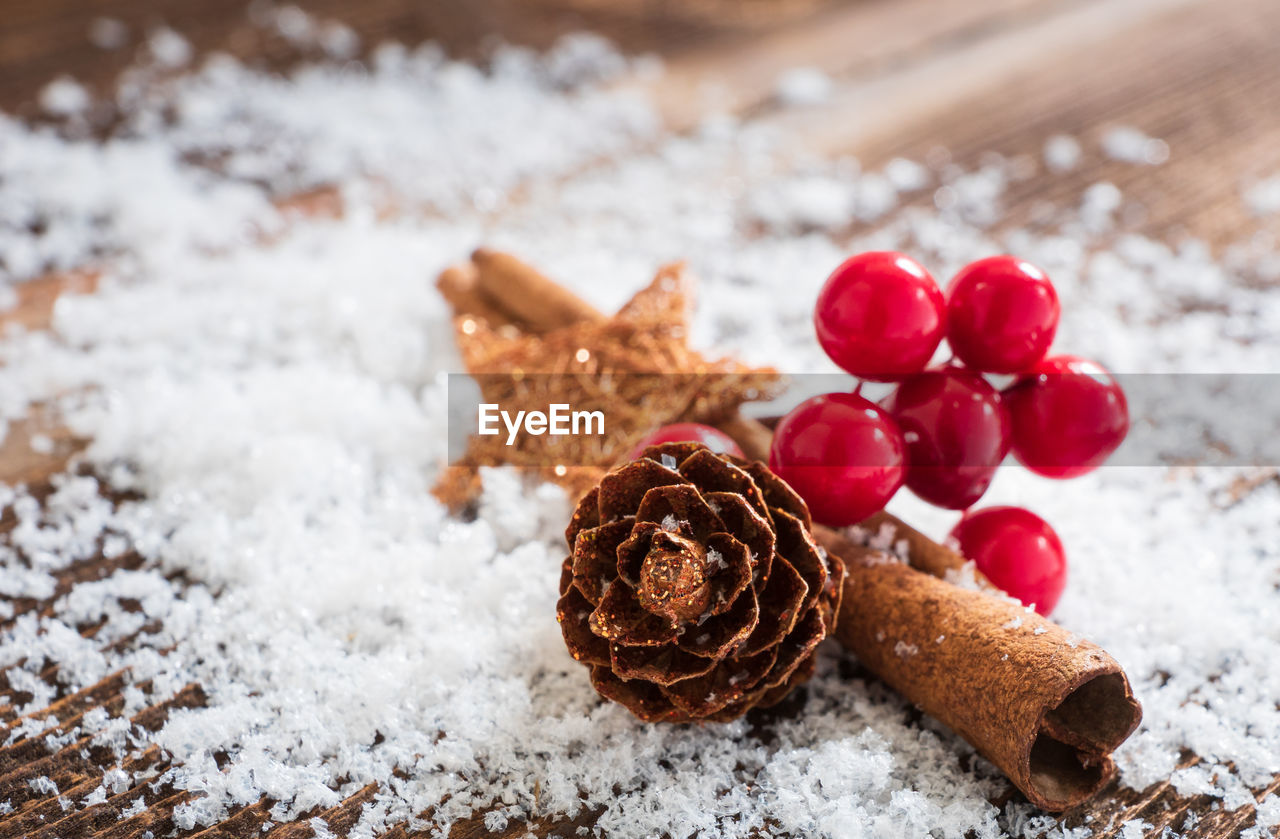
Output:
[[695, 590]]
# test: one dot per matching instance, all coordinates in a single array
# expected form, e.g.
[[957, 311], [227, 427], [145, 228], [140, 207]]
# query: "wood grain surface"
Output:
[[912, 76], [43, 39]]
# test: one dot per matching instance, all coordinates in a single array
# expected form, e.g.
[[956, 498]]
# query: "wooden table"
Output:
[[971, 77]]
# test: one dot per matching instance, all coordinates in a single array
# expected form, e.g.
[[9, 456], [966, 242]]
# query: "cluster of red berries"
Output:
[[944, 430]]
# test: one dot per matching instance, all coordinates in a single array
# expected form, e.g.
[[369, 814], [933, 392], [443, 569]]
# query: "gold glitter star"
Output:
[[635, 367]]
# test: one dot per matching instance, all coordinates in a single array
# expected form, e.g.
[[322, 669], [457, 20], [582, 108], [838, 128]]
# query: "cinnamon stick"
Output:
[[1044, 706], [752, 436], [527, 296], [460, 286], [925, 554]]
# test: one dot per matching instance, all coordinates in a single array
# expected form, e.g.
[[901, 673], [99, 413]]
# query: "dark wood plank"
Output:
[[1202, 76], [43, 39], [850, 43]]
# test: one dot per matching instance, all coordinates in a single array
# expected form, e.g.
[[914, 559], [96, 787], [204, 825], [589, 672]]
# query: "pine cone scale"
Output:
[[622, 490], [620, 618], [662, 666], [719, 635], [643, 699], [778, 494], [573, 612], [586, 516], [712, 474], [632, 552], [595, 563], [723, 687], [829, 606], [797, 646], [732, 570], [748, 527], [797, 545], [784, 595], [679, 503]]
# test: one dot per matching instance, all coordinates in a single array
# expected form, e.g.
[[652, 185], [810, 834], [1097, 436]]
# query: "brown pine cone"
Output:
[[695, 590]]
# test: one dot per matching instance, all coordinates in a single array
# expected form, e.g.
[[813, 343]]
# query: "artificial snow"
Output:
[[168, 48], [803, 86], [274, 389], [1269, 811], [108, 33], [63, 97], [1134, 829], [1062, 153], [1130, 145], [1263, 197]]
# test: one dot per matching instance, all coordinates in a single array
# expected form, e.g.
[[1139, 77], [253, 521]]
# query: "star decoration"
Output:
[[635, 367]]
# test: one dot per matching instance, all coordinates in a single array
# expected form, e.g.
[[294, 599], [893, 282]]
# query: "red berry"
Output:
[[1017, 551], [842, 453], [1002, 314], [684, 432], [880, 316], [1069, 414], [957, 432]]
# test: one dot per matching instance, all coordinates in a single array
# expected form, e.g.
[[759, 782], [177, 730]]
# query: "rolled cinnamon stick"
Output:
[[1044, 706], [530, 298], [460, 286], [925, 554], [752, 436]]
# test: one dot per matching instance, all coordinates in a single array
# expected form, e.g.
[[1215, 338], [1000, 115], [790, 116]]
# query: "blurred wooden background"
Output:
[[40, 39], [972, 76]]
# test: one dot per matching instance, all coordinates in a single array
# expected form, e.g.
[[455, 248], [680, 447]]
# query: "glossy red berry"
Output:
[[1017, 551], [880, 316], [1069, 414], [1002, 313], [957, 431], [685, 432], [844, 455]]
